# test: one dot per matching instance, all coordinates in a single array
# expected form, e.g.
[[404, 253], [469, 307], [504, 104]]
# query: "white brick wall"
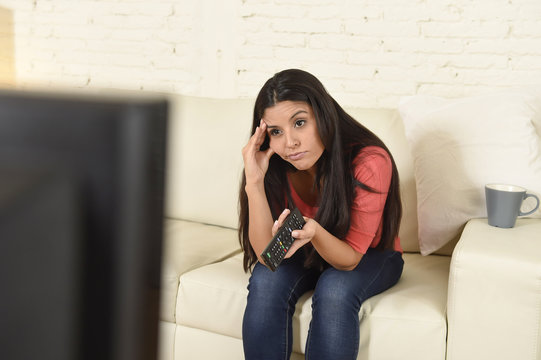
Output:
[[7, 65], [366, 52]]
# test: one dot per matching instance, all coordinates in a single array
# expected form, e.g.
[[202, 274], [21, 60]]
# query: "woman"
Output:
[[307, 152]]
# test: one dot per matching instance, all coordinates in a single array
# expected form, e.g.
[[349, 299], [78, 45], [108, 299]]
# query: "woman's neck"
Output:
[[303, 183]]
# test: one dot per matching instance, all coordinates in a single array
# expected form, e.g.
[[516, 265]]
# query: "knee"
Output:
[[334, 292], [268, 299], [265, 288], [338, 300]]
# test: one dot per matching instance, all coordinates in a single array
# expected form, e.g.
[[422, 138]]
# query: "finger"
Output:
[[283, 216], [256, 136], [255, 141], [300, 235], [250, 145], [269, 152], [257, 131], [262, 130], [274, 228], [293, 249]]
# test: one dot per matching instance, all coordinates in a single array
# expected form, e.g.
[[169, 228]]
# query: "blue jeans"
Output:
[[334, 329]]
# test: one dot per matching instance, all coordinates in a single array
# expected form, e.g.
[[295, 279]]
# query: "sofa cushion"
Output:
[[204, 158], [459, 145], [188, 245], [213, 297], [412, 313], [197, 344]]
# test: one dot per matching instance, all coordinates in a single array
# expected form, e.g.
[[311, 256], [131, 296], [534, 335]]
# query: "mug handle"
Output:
[[520, 213]]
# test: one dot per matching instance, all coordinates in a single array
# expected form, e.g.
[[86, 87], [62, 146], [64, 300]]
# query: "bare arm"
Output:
[[339, 254], [255, 167], [260, 217]]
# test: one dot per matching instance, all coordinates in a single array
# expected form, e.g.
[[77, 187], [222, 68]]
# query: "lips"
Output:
[[296, 156]]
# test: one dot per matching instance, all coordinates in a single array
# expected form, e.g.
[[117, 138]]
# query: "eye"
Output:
[[274, 132], [300, 123]]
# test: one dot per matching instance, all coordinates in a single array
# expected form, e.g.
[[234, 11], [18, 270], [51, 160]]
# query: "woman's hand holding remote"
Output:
[[302, 237]]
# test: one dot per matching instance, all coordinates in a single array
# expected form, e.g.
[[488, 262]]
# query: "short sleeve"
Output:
[[372, 167]]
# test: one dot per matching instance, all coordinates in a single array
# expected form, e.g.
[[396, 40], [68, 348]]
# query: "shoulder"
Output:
[[372, 162], [372, 156]]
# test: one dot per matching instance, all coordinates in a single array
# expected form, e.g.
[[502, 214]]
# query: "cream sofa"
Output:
[[477, 298]]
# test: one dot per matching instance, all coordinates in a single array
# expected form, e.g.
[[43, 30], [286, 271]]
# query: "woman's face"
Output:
[[293, 133]]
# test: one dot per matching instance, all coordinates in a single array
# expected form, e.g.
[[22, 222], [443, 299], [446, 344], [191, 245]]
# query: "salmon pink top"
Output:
[[373, 167]]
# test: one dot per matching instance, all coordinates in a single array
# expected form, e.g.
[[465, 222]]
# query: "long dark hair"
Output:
[[343, 138]]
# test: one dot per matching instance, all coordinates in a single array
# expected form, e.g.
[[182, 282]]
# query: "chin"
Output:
[[302, 167], [299, 165]]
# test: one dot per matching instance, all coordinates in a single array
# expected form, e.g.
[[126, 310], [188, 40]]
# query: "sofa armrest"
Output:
[[494, 297]]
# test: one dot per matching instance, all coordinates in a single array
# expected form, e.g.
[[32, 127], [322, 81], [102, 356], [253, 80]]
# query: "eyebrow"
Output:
[[291, 118]]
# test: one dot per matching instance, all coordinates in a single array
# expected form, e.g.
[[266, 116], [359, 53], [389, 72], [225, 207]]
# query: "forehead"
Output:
[[284, 111]]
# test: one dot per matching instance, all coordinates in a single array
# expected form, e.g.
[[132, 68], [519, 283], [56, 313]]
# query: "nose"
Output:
[[292, 140]]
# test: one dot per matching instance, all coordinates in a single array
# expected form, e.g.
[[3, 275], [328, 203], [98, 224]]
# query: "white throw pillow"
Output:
[[458, 146]]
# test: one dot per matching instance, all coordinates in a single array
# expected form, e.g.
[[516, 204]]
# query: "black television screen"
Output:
[[81, 214]]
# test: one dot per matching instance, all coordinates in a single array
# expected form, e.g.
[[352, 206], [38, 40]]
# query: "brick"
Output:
[[257, 52], [472, 61], [451, 91], [343, 42], [330, 11], [406, 12], [360, 99], [42, 30], [306, 26], [491, 11], [254, 25], [77, 18], [361, 11], [309, 54], [17, 4], [274, 10], [131, 34], [529, 11], [503, 77], [157, 9], [527, 29], [469, 29], [391, 59], [273, 39], [423, 45], [509, 46], [528, 62], [129, 21], [61, 44], [382, 28], [43, 6], [80, 32], [308, 3], [342, 71]]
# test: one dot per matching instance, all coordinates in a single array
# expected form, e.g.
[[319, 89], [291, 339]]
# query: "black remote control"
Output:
[[281, 242]]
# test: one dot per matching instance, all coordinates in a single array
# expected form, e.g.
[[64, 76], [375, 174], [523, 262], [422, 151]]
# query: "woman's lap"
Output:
[[337, 299]]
